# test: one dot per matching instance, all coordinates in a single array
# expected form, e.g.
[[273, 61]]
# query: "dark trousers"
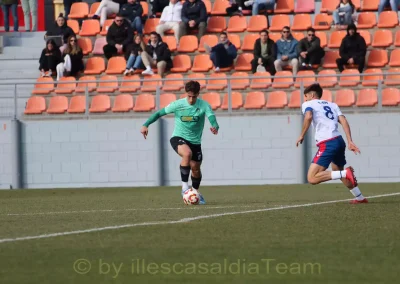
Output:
[[110, 51], [50, 63], [184, 27], [313, 58], [268, 63], [158, 6], [340, 62], [220, 57]]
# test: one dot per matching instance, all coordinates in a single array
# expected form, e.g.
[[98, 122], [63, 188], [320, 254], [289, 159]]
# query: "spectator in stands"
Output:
[[352, 50], [260, 5], [287, 51], [157, 54], [158, 7], [49, 59], [73, 59], [135, 59], [29, 8], [310, 50], [61, 31], [264, 54], [106, 8], [236, 8], [68, 5], [343, 15], [194, 16], [6, 5], [133, 11], [386, 3], [222, 54], [170, 19], [119, 38]]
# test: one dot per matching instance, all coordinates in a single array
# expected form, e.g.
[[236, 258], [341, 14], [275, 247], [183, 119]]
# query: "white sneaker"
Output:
[[249, 3], [126, 72], [131, 71], [217, 69], [148, 72], [43, 74], [49, 73]]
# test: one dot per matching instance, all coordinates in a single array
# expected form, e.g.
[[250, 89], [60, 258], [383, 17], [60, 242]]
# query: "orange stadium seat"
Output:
[[151, 86], [85, 44], [397, 39], [100, 103], [95, 66], [369, 5], [330, 59], [116, 65], [329, 5], [327, 82], [107, 87], [395, 58], [171, 42], [237, 101], [188, 43], [166, 99], [243, 62], [150, 25], [74, 25], [35, 105], [371, 77], [93, 9], [254, 100], [202, 63], [199, 77], [390, 97], [366, 20], [123, 103], [210, 40], [257, 23], [66, 85], [322, 22], [367, 98], [301, 22], [345, 97], [298, 35], [45, 88], [219, 84], [90, 28], [377, 58], [130, 84], [277, 99], [323, 38], [235, 40], [144, 102], [240, 84], [248, 42], [77, 104], [294, 101], [98, 45], [326, 95], [219, 7], [350, 81], [208, 6], [283, 83], [260, 83], [173, 85], [58, 105], [145, 8], [382, 38], [216, 24], [278, 22], [336, 39], [275, 36], [307, 81], [304, 6], [392, 79], [181, 63], [366, 35], [284, 7], [388, 19], [79, 10], [106, 26], [81, 87], [214, 99]]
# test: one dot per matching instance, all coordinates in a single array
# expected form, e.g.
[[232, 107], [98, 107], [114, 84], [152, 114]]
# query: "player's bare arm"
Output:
[[153, 118], [346, 128], [306, 125]]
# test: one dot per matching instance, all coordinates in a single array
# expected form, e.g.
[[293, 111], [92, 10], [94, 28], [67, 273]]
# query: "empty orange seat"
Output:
[[108, 84], [214, 99], [116, 65], [150, 25], [144, 102], [123, 103], [199, 77], [327, 82], [173, 85], [392, 79], [100, 103], [171, 42], [216, 24], [283, 83], [395, 58], [166, 99], [240, 83], [322, 22], [93, 9], [202, 63], [74, 25], [95, 66], [330, 59], [248, 42], [208, 5], [58, 105], [66, 85], [219, 83], [188, 43], [257, 23], [181, 63], [326, 95], [35, 105], [237, 101], [301, 22], [98, 46], [323, 38], [79, 10], [350, 81], [298, 35], [388, 19], [243, 62], [77, 104], [382, 38], [307, 81], [366, 35], [370, 5], [235, 40], [90, 28], [366, 20], [372, 77], [106, 26], [329, 5], [260, 83], [377, 58], [275, 36], [43, 86], [278, 22], [345, 97], [294, 101], [367, 98], [390, 97], [150, 83], [210, 40], [277, 99], [397, 39], [219, 7], [254, 100], [284, 7], [86, 45], [130, 84], [81, 87], [336, 39]]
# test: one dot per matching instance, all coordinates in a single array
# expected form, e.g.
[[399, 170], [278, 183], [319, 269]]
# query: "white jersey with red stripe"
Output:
[[325, 118]]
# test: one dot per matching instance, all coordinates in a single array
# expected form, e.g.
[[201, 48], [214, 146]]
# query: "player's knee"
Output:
[[312, 181], [187, 155]]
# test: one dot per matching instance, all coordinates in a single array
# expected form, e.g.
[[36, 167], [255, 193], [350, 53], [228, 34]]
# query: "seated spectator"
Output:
[[158, 6], [107, 8], [119, 38], [133, 11], [194, 16], [73, 59], [343, 15], [49, 59], [287, 51], [223, 54], [135, 59], [264, 54], [29, 7], [352, 50], [60, 31], [260, 5], [170, 19], [68, 5], [386, 3], [236, 8], [310, 50], [157, 54], [6, 5]]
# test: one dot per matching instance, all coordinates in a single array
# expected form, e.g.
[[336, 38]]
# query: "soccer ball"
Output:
[[191, 196]]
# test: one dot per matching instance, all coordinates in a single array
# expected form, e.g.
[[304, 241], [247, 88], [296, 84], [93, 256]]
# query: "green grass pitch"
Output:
[[245, 234]]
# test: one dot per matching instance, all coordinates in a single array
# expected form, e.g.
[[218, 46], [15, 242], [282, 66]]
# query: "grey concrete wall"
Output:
[[5, 154]]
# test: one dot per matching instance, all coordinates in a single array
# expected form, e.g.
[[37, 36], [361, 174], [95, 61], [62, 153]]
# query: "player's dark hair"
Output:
[[192, 86], [223, 33], [314, 88], [264, 31], [310, 29]]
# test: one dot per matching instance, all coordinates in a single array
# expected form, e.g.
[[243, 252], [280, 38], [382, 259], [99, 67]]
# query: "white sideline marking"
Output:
[[184, 220]]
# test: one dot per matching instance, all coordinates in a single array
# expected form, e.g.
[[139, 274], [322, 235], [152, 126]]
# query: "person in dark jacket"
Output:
[[135, 59], [352, 49], [222, 54], [264, 54], [194, 16], [107, 8], [49, 59], [6, 5], [73, 59], [158, 6], [60, 29], [133, 12], [119, 38], [157, 54], [310, 50]]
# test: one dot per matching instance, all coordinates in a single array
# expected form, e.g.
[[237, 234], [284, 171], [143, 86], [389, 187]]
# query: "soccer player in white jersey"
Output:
[[325, 117]]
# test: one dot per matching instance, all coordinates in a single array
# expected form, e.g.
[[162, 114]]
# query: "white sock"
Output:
[[338, 174], [357, 193], [148, 67], [185, 185]]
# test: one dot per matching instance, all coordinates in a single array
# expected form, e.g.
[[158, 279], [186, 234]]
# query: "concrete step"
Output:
[[36, 43], [20, 52], [23, 35]]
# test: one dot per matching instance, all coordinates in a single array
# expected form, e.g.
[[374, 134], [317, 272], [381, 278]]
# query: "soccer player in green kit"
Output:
[[190, 113]]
